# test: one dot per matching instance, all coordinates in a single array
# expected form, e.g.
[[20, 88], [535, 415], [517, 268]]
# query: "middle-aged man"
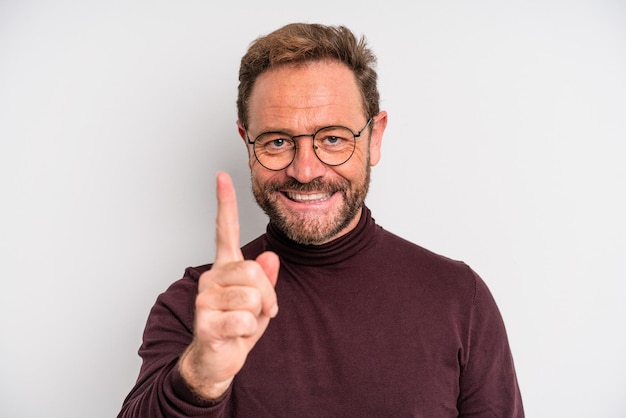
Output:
[[370, 325]]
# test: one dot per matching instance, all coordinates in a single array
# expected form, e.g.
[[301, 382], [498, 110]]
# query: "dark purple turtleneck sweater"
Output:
[[370, 325]]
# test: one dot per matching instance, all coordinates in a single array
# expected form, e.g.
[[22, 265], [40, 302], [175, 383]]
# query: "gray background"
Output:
[[505, 148]]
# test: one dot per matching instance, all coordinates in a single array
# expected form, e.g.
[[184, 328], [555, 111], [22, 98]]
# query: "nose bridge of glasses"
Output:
[[305, 163], [303, 152], [312, 136]]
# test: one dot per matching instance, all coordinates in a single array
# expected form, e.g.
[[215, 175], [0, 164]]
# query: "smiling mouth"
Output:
[[307, 198]]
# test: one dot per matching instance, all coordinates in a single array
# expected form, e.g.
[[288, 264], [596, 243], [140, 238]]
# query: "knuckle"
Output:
[[231, 324], [240, 298], [238, 324], [205, 325]]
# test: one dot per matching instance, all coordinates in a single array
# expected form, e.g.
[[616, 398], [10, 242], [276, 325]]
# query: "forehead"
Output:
[[305, 96]]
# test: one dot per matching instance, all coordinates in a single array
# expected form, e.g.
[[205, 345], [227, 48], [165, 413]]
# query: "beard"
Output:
[[309, 228]]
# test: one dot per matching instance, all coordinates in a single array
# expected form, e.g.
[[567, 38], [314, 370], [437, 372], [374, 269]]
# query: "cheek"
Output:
[[260, 175], [255, 173], [374, 156], [360, 159], [355, 169], [251, 158]]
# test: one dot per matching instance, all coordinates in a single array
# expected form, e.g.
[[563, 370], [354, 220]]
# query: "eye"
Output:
[[274, 142], [334, 139]]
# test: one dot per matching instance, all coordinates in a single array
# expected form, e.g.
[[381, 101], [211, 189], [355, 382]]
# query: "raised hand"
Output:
[[235, 303]]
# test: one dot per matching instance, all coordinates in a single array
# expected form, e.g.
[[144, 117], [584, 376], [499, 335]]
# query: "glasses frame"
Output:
[[295, 143]]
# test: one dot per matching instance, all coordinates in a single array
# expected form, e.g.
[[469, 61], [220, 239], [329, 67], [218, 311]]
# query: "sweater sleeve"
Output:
[[160, 390], [489, 386]]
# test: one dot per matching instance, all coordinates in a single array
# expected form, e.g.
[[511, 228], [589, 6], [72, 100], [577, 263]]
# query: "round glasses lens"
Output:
[[274, 150], [334, 145]]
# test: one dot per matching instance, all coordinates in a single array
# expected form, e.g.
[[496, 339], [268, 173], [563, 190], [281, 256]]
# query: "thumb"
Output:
[[270, 264]]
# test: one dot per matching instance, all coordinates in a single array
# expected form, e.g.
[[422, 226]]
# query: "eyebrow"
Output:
[[290, 133]]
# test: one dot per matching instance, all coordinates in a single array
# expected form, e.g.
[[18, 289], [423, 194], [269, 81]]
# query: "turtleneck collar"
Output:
[[332, 252]]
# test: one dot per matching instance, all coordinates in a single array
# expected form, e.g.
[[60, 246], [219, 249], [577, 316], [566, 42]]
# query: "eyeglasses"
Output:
[[333, 145]]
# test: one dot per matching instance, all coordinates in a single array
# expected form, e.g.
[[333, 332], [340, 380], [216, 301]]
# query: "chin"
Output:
[[311, 228]]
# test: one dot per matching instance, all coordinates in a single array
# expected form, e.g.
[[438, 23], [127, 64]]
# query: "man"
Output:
[[370, 325]]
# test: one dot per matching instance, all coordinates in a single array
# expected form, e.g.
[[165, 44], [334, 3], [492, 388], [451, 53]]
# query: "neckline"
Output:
[[332, 252]]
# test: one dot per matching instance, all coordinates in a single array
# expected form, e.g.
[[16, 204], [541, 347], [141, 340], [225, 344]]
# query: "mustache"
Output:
[[315, 185]]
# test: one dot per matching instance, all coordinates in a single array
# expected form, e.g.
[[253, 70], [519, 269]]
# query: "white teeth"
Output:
[[308, 197]]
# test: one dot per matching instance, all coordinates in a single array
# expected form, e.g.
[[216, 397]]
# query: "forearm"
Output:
[[190, 366], [160, 390], [166, 394]]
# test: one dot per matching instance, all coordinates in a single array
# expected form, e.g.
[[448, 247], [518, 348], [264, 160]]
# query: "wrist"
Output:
[[202, 386]]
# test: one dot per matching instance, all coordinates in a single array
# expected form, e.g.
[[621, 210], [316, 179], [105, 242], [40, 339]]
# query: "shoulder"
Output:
[[420, 271], [398, 249]]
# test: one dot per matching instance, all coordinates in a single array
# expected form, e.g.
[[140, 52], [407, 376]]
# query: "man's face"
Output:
[[311, 202]]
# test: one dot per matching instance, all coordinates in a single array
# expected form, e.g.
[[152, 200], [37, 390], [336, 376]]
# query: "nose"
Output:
[[305, 166]]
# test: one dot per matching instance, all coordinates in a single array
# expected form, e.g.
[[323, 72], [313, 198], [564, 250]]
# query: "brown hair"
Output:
[[299, 43]]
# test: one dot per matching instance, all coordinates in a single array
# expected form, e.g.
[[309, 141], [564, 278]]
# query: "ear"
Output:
[[242, 132], [379, 123]]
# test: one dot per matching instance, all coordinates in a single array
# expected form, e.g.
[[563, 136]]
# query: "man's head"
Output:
[[294, 83]]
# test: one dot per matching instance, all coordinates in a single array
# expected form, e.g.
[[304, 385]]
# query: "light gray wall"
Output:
[[505, 148]]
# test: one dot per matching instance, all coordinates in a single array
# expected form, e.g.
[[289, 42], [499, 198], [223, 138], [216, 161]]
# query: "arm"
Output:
[[197, 341], [489, 386], [160, 390], [235, 303]]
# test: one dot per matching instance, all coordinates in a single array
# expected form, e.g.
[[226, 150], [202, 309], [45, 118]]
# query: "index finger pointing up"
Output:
[[227, 222]]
